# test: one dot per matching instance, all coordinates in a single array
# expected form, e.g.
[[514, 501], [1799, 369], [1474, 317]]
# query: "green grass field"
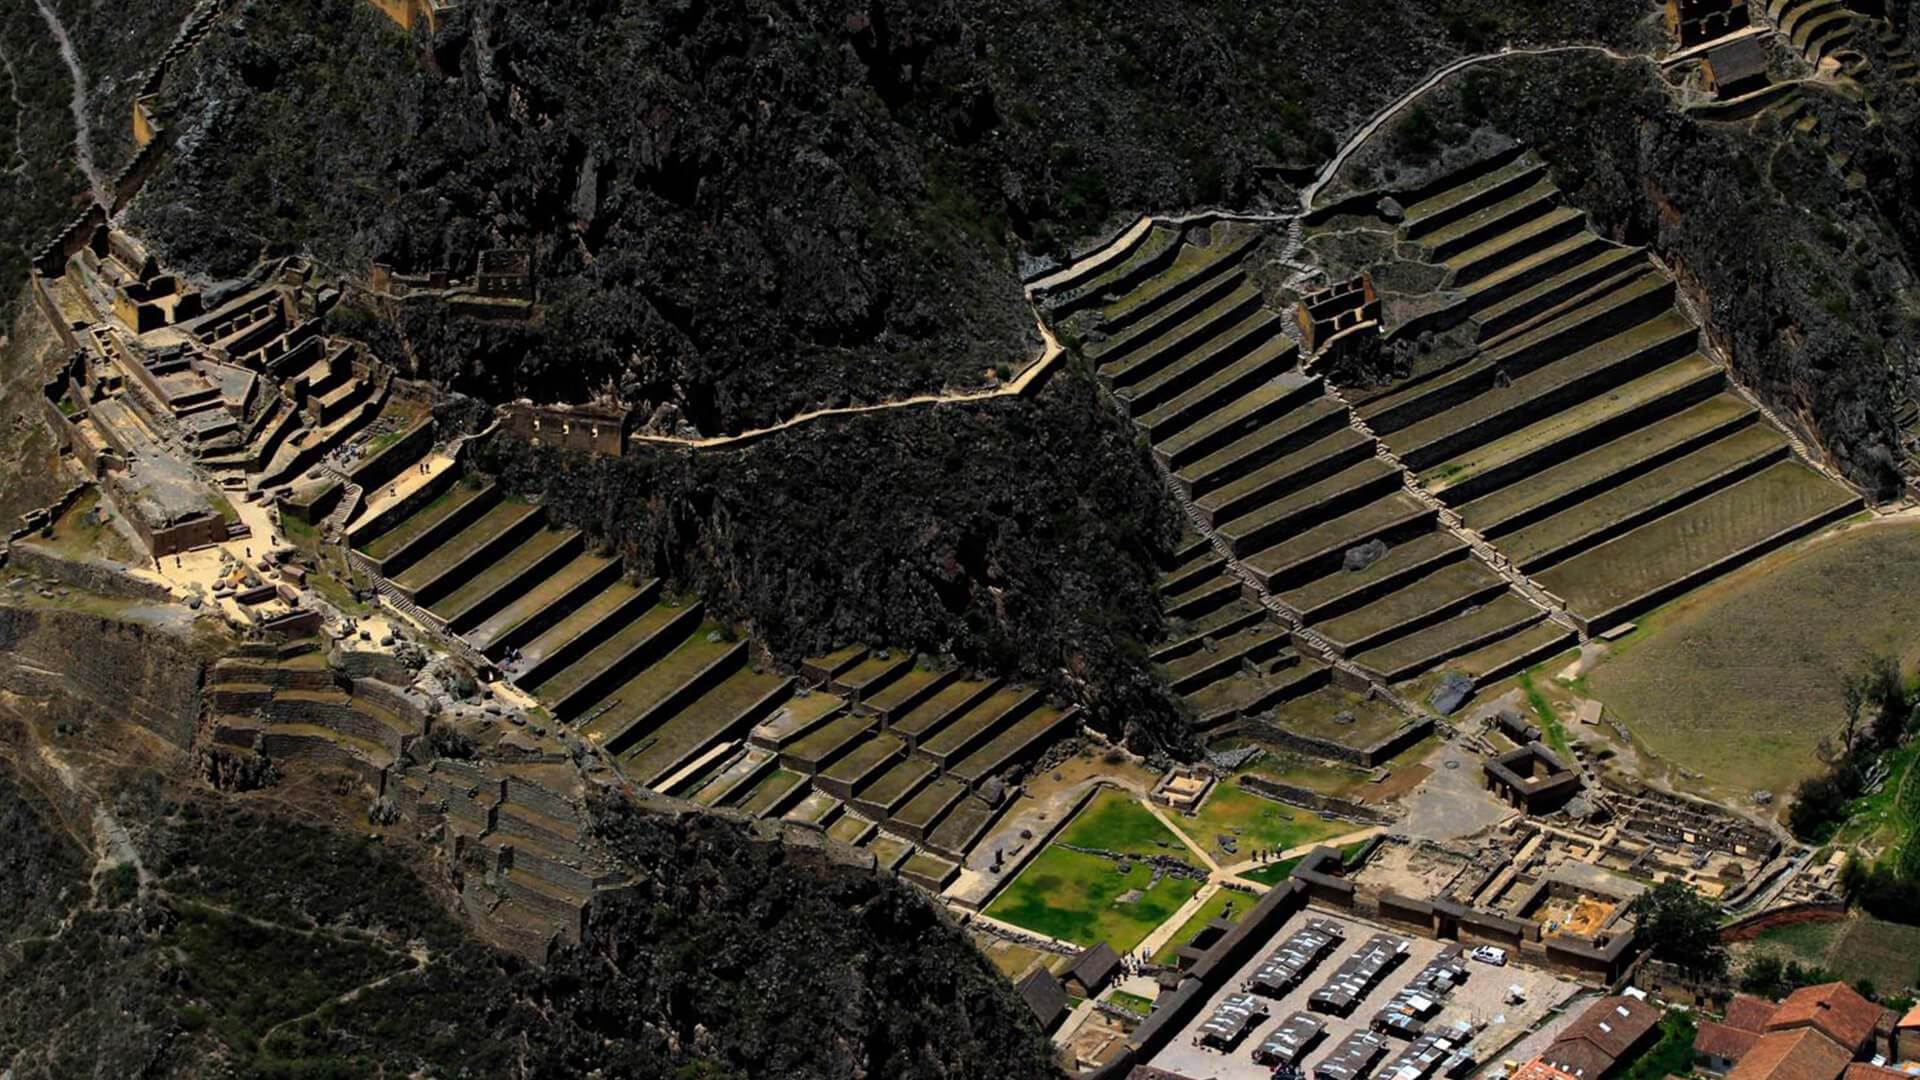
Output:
[[1075, 897], [1257, 822], [1884, 953], [1224, 903], [1275, 873], [1740, 680], [1115, 821]]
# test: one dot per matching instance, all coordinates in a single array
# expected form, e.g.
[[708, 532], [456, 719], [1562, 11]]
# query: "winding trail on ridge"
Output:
[[82, 128]]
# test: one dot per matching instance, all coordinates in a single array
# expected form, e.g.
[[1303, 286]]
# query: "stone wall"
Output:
[[80, 666], [1369, 756], [1324, 805]]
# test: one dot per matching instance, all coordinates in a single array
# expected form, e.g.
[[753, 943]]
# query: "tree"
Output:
[[1682, 927], [1762, 976]]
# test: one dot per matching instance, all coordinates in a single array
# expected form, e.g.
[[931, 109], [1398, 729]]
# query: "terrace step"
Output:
[[1235, 496], [635, 697], [1200, 571], [1199, 332], [1699, 541], [676, 731], [1251, 644], [906, 692], [1344, 590], [1446, 207], [469, 552], [927, 808], [932, 716], [1531, 304], [800, 715], [1516, 652], [1412, 607], [1271, 361], [1195, 643], [1538, 233], [962, 828], [1283, 435], [1221, 620], [1026, 739], [518, 572], [860, 765], [1605, 466], [1368, 481], [1650, 495], [1291, 393], [1491, 221], [1204, 598], [1648, 299], [776, 792], [1472, 629], [633, 646], [1258, 329], [891, 790], [824, 745], [979, 725], [1631, 407], [1157, 324], [540, 608], [878, 671], [1320, 550], [1195, 270], [586, 628], [823, 669], [1283, 679]]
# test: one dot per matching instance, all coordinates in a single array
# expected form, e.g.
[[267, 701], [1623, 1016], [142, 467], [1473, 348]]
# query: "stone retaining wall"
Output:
[[1324, 805], [1369, 756]]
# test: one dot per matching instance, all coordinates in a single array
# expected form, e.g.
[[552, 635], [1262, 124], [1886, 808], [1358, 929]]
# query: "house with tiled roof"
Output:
[[1799, 1054], [1818, 1033], [1749, 1013], [1836, 1010], [1612, 1030], [1719, 1046]]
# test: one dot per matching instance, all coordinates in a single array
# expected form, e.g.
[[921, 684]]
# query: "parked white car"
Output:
[[1489, 954]]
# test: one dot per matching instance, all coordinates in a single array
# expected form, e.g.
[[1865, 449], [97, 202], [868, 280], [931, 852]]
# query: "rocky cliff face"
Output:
[[72, 666]]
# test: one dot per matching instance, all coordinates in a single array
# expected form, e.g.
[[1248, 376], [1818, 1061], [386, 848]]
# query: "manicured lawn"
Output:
[[1133, 1003], [1075, 897], [1223, 904], [1115, 821], [1256, 822], [1741, 680], [1274, 873]]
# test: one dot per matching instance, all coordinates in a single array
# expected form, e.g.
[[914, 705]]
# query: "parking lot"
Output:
[[1481, 1000]]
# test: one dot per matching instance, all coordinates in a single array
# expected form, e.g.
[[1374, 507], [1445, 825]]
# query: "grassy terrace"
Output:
[[849, 829], [1318, 715], [889, 851], [575, 624], [1493, 220], [1607, 260], [871, 670], [1157, 241], [923, 718], [1503, 655], [838, 659], [1269, 359], [1625, 569], [1300, 424], [730, 779], [951, 738], [460, 494], [1350, 528], [1617, 359], [650, 687], [602, 656], [1698, 472], [1517, 501], [896, 783], [1307, 501], [1275, 478], [770, 791], [865, 761], [890, 697], [537, 547], [1445, 202], [926, 807], [1576, 422], [465, 542], [1190, 261], [1334, 589], [827, 740], [815, 807], [1424, 648], [1214, 621], [962, 826], [798, 715], [1203, 362], [1523, 274], [1451, 584], [538, 598], [1115, 820], [991, 757], [1481, 259], [1240, 690], [1205, 325], [1234, 644], [695, 727]]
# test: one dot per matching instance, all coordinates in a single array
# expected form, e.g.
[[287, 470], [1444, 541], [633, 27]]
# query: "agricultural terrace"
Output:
[[1084, 898], [1741, 680], [1859, 947]]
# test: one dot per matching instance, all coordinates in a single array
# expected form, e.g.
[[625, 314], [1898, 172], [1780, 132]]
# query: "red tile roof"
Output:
[[1862, 1071], [1834, 1009], [1749, 1013], [1912, 1019], [1540, 1070], [1614, 1025], [1804, 1054], [1723, 1040]]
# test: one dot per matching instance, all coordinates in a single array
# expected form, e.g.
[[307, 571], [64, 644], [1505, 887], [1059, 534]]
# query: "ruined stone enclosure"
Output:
[[1552, 453]]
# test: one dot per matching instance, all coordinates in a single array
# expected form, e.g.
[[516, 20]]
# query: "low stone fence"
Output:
[[1754, 925]]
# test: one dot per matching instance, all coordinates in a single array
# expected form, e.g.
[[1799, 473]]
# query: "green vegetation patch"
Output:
[[1223, 904], [1255, 821], [1741, 681], [1115, 821], [1085, 899], [1671, 1056]]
